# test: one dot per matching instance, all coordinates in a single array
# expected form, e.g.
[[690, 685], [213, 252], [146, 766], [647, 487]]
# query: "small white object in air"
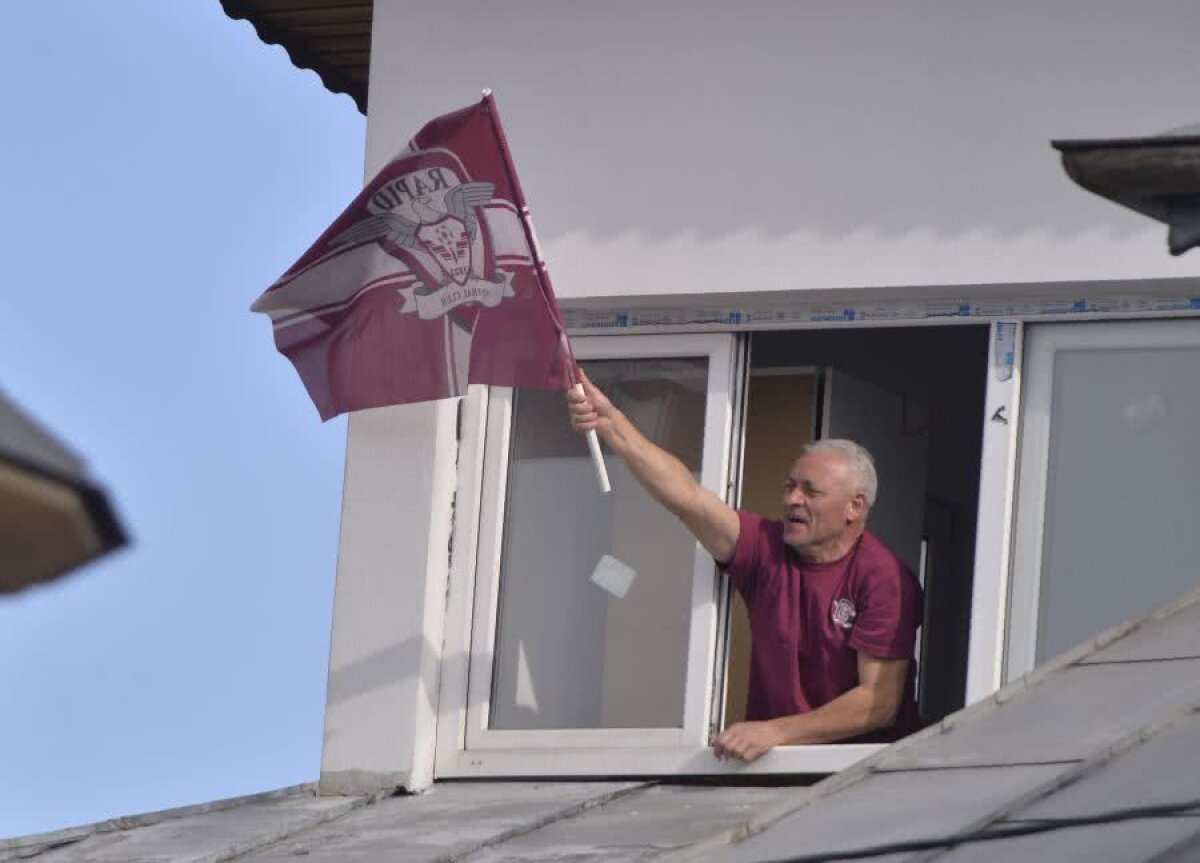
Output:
[[612, 575]]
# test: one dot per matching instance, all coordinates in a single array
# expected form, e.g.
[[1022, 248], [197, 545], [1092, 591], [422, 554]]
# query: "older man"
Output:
[[833, 613]]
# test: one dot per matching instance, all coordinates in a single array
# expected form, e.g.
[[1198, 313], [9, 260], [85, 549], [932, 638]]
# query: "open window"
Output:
[[558, 675], [914, 397], [546, 673]]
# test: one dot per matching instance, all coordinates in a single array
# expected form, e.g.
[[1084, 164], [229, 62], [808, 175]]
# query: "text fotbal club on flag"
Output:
[[429, 281]]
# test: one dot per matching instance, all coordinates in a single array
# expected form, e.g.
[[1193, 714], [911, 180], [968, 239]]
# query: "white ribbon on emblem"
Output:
[[451, 296]]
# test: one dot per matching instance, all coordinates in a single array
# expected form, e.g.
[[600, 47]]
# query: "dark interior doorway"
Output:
[[936, 378]]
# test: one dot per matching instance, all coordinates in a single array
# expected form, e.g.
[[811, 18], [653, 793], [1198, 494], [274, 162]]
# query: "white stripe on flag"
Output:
[[337, 279]]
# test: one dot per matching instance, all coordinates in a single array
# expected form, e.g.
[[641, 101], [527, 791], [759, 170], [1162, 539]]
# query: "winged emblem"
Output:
[[383, 226], [446, 235], [462, 200]]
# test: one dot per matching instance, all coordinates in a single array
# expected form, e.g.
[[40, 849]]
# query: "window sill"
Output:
[[666, 761]]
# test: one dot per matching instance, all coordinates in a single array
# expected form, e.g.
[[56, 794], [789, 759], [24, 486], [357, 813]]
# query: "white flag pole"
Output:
[[593, 440]]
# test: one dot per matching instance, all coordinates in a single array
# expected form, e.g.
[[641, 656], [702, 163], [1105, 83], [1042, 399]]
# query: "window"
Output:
[[914, 396], [1107, 493], [563, 676], [545, 673]]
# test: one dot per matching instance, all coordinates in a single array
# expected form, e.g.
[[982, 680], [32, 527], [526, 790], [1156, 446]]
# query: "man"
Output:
[[833, 613]]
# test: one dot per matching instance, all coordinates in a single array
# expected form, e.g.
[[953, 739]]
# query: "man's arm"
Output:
[[870, 705], [712, 521]]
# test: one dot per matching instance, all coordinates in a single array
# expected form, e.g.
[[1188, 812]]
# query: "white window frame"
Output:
[[465, 745], [1007, 557], [717, 350], [1002, 412], [1046, 340]]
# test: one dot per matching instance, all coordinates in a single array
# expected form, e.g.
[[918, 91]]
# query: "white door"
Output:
[[1109, 484]]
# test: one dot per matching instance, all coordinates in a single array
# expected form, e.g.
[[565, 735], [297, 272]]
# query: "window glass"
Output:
[[1122, 489], [570, 654]]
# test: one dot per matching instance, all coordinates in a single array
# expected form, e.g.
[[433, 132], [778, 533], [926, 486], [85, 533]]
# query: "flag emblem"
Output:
[[447, 240], [442, 227]]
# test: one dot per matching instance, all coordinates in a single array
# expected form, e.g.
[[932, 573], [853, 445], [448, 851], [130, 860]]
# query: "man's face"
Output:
[[819, 501]]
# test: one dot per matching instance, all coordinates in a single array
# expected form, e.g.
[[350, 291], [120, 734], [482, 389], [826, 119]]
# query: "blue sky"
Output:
[[161, 166]]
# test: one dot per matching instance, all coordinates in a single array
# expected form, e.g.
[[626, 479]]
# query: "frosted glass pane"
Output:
[[568, 653], [1122, 524]]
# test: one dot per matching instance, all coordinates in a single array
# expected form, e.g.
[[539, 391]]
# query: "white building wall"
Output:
[[690, 147], [389, 603], [675, 146]]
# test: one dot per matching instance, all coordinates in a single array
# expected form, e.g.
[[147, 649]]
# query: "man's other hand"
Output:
[[746, 741]]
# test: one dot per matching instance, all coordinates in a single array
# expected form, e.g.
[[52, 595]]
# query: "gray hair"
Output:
[[860, 462]]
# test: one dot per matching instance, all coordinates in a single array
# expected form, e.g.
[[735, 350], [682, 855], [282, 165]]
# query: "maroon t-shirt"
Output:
[[808, 622]]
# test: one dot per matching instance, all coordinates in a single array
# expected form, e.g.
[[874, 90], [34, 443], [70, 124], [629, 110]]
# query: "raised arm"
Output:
[[712, 521]]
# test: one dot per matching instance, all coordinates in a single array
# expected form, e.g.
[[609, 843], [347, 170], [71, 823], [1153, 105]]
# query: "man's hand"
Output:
[[747, 740], [712, 521], [592, 409]]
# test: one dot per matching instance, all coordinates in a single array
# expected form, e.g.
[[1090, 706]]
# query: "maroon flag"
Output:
[[429, 280]]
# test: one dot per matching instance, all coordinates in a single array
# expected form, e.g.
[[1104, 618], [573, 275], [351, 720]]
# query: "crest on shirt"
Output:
[[844, 613]]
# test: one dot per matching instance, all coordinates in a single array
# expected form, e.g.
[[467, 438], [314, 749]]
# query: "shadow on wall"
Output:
[[391, 666], [380, 669]]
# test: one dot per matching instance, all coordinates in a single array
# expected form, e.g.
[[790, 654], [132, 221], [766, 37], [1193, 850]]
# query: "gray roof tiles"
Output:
[[1163, 769], [1171, 637], [640, 826], [892, 807], [1066, 717], [451, 821], [1114, 723], [1129, 841], [194, 834]]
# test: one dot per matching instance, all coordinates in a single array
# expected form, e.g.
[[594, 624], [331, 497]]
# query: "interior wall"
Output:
[[894, 429], [943, 368], [779, 421]]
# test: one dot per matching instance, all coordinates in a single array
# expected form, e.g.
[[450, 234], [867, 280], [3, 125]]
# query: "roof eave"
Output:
[[308, 45]]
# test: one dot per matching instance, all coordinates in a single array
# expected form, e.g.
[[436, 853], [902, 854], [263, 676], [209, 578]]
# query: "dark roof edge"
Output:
[[1085, 144], [93, 495], [334, 81]]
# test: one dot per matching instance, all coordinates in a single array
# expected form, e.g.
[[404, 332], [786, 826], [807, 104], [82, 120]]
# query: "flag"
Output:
[[429, 281]]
